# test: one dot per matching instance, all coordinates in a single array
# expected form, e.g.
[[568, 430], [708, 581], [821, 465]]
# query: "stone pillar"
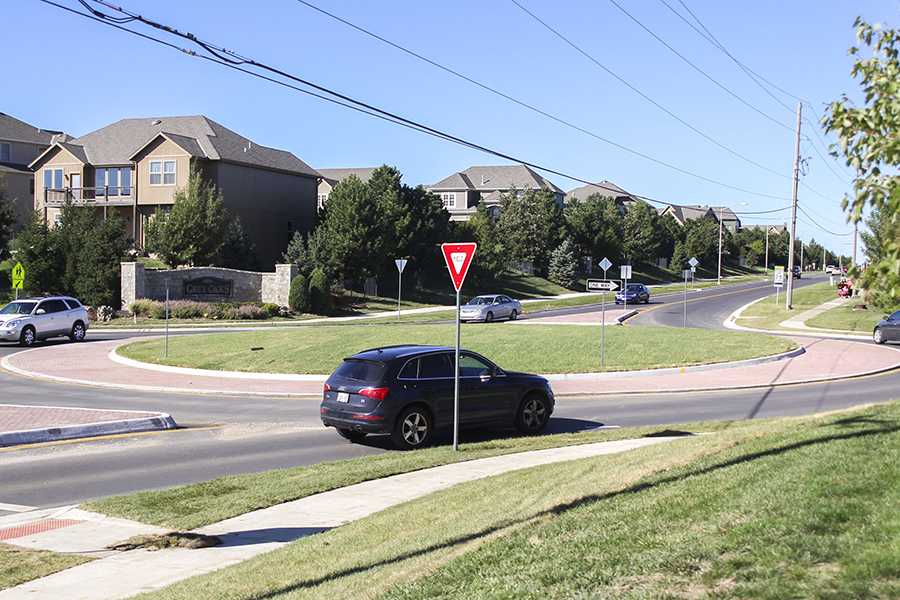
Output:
[[134, 282], [284, 275]]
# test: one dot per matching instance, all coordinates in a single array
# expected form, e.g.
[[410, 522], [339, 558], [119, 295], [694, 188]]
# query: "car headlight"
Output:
[[14, 322]]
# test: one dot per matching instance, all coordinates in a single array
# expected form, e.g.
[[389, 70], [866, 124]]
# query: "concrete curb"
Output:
[[159, 422], [625, 316], [730, 323]]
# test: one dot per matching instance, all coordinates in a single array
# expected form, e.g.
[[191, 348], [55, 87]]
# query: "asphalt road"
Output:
[[227, 435]]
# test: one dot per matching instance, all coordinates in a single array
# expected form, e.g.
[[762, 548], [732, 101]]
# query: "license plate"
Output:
[[343, 397]]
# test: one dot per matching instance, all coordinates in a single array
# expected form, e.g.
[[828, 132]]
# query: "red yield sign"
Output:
[[458, 258]]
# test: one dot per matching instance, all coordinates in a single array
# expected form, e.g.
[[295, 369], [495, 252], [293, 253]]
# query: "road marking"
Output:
[[673, 304], [16, 508]]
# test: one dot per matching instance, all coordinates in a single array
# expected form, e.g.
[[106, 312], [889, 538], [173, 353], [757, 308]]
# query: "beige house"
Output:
[[605, 188], [462, 192], [134, 166], [332, 177], [20, 143]]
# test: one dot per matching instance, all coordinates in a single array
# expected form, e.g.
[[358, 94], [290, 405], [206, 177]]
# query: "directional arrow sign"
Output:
[[602, 285], [693, 262], [605, 264], [18, 277], [458, 258]]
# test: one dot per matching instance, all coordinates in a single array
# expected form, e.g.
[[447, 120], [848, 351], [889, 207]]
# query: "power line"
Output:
[[728, 90], [231, 59], [640, 93], [816, 223], [540, 111]]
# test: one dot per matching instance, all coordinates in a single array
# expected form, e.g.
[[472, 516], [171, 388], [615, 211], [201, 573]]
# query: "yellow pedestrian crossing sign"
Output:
[[18, 277]]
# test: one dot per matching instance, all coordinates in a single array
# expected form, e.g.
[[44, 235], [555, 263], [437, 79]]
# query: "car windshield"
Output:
[[18, 308], [633, 287], [481, 300]]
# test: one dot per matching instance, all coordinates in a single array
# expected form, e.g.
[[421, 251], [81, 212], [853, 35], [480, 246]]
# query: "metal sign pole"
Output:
[[684, 302], [456, 383], [167, 318], [399, 291], [603, 328]]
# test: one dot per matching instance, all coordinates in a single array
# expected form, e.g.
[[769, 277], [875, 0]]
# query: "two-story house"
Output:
[[20, 143], [462, 192], [332, 177], [607, 189], [682, 214], [135, 166]]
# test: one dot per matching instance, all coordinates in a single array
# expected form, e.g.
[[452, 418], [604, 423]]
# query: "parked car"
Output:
[[888, 329], [797, 272], [490, 308], [407, 393], [31, 319], [634, 293]]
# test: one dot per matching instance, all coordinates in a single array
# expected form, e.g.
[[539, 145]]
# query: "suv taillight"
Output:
[[379, 393], [326, 388]]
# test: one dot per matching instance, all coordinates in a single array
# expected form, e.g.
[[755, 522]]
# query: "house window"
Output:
[[4, 153], [448, 199], [162, 172], [53, 179], [118, 180], [125, 176]]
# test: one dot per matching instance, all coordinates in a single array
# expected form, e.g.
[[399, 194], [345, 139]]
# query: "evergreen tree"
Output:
[[296, 253], [7, 220], [531, 224], [37, 248], [564, 265], [596, 226], [237, 251], [319, 292], [642, 234]]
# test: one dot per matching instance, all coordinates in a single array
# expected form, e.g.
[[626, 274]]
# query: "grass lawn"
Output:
[[18, 565], [766, 314], [787, 508], [847, 318], [535, 348]]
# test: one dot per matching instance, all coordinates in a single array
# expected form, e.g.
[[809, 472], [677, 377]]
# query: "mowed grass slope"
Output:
[[767, 314], [790, 508], [848, 318], [535, 348]]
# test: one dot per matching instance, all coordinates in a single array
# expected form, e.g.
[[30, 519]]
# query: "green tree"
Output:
[[37, 248], [194, 231], [296, 252], [596, 226], [753, 252], [882, 232], [7, 220], [531, 224], [870, 145], [670, 232], [564, 264], [702, 241], [319, 292], [237, 251], [492, 256], [96, 279], [298, 296], [680, 258], [642, 238]]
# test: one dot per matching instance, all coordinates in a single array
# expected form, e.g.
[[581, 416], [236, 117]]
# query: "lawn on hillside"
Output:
[[787, 508], [520, 347], [848, 318], [767, 314], [18, 565]]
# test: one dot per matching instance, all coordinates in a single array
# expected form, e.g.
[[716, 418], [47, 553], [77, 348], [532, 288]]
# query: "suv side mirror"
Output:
[[40, 311], [486, 375]]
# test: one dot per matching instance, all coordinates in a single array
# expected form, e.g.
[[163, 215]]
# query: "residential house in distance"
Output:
[[134, 167], [730, 220], [772, 229], [332, 177], [604, 188], [21, 143], [462, 192], [682, 214]]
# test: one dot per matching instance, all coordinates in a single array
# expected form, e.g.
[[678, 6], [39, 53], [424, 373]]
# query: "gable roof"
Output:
[[686, 213], [335, 176], [198, 135], [12, 129], [496, 177], [726, 213], [604, 188]]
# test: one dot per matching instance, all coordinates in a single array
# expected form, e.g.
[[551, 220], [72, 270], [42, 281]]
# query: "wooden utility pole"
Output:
[[789, 296]]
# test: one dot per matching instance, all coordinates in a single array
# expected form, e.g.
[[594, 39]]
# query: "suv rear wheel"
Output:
[[533, 415], [78, 332], [878, 336], [413, 428]]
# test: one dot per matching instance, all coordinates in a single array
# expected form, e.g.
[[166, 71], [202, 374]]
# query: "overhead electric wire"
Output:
[[222, 59], [719, 84], [816, 223], [640, 93]]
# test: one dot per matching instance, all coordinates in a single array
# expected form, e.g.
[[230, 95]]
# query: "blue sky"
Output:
[[79, 75]]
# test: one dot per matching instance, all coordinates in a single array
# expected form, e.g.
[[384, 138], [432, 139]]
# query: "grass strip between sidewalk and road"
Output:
[[534, 348], [767, 314], [848, 318], [791, 507], [18, 565]]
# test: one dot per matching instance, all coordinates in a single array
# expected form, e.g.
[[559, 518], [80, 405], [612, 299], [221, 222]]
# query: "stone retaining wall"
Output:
[[212, 284]]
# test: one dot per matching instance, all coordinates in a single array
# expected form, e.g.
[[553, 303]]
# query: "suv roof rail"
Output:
[[377, 348]]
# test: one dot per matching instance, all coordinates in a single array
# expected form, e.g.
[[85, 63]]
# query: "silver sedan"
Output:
[[490, 308]]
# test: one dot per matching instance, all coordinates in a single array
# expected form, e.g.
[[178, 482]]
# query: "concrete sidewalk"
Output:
[[799, 321], [90, 364], [125, 574], [27, 424]]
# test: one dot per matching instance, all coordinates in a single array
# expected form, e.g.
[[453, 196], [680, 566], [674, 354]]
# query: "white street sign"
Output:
[[401, 264], [625, 272], [693, 269], [605, 264], [693, 262], [686, 273], [779, 277], [602, 285]]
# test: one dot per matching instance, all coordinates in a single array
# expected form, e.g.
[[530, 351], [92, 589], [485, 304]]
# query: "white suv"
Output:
[[31, 319]]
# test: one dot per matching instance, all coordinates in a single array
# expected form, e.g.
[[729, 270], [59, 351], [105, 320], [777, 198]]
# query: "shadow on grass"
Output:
[[587, 500]]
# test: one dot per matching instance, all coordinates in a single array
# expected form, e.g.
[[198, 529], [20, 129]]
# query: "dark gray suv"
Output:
[[407, 392]]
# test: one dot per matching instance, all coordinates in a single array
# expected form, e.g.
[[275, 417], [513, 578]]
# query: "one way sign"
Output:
[[602, 285]]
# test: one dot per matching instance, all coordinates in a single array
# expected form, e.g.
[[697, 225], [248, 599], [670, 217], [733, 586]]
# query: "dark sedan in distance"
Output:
[[407, 392], [634, 293], [888, 329]]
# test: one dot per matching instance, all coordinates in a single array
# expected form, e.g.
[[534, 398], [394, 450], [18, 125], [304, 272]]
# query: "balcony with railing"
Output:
[[102, 196]]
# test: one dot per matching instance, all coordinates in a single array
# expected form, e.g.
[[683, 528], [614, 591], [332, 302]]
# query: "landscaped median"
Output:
[[799, 507], [537, 348]]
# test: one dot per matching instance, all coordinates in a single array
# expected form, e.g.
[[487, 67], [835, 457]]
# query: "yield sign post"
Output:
[[458, 258], [401, 264]]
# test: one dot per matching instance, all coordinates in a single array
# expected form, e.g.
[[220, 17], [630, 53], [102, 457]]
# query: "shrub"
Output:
[[298, 298], [142, 307], [187, 309], [251, 311], [158, 310], [271, 310], [319, 292]]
